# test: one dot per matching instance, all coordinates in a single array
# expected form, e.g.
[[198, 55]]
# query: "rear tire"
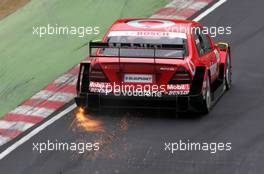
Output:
[[207, 99], [228, 73]]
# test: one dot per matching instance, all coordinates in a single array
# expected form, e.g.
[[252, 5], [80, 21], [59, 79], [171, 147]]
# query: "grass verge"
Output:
[[28, 62]]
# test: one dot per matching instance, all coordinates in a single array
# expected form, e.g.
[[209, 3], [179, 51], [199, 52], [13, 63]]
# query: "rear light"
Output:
[[97, 74], [182, 76]]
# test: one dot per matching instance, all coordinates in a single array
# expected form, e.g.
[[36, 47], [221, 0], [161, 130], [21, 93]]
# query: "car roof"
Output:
[[153, 24]]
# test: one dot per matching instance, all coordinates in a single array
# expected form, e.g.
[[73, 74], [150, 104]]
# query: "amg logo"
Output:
[[138, 78]]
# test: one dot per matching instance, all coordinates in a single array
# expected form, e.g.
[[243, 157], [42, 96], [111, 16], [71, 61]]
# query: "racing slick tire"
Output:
[[228, 73], [207, 98]]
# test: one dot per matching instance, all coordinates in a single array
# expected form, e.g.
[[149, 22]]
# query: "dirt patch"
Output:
[[9, 6]]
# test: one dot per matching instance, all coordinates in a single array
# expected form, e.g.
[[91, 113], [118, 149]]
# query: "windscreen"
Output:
[[157, 38]]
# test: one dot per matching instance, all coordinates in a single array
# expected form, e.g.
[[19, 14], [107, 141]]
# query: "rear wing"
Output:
[[155, 47]]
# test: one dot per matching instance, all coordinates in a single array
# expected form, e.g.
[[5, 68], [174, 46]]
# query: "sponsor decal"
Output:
[[182, 89], [140, 89], [185, 87], [178, 93], [148, 34]]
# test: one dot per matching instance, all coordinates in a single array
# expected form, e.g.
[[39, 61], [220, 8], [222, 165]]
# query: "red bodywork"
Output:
[[174, 74]]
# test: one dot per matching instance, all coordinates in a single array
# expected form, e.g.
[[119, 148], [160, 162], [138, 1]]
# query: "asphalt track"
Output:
[[133, 142]]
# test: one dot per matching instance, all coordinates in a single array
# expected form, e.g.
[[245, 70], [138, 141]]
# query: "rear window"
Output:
[[155, 38]]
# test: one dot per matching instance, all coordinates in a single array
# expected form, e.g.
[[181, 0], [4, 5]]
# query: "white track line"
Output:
[[209, 10], [69, 109], [36, 131]]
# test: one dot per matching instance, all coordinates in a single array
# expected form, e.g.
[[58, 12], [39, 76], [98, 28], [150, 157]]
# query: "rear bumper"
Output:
[[178, 103]]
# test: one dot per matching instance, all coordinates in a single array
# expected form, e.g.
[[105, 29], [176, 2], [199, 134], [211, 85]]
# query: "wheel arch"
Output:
[[198, 79]]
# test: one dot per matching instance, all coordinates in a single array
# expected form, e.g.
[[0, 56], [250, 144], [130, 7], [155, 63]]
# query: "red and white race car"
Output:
[[157, 63]]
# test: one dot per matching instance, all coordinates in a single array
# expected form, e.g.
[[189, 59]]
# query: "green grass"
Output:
[[28, 63]]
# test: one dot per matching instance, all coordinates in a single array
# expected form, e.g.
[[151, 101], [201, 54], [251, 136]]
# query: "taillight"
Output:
[[182, 76], [97, 74]]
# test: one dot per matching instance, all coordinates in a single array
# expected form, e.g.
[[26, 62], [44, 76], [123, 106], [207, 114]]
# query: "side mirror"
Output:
[[222, 45]]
